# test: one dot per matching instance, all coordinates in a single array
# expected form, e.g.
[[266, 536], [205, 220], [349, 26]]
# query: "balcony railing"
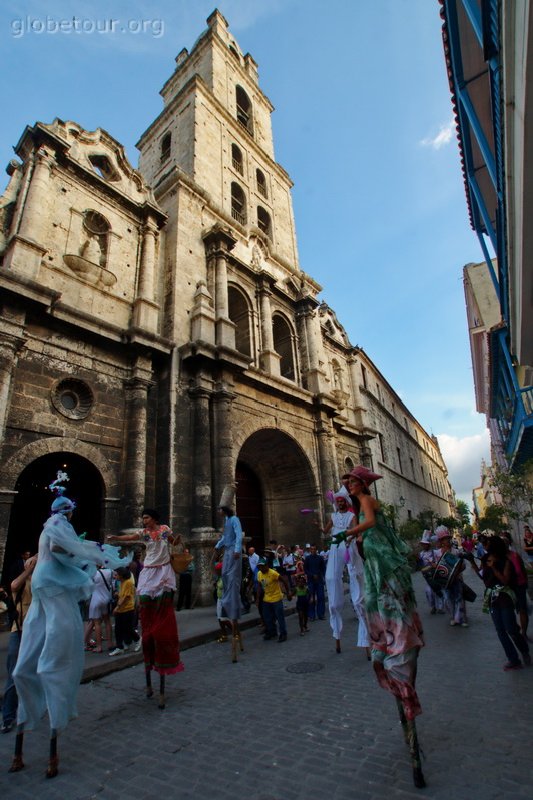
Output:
[[238, 216], [511, 405]]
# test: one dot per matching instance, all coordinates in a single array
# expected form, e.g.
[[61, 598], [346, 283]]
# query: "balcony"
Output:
[[511, 404]]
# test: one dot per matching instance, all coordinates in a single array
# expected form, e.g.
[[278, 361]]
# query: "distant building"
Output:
[[159, 339]]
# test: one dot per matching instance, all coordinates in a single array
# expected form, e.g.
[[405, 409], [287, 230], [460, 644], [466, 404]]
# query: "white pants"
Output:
[[334, 573]]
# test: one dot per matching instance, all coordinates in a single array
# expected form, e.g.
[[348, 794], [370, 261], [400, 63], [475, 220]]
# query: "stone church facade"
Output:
[[158, 338]]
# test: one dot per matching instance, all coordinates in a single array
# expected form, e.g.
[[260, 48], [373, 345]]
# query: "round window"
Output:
[[72, 398]]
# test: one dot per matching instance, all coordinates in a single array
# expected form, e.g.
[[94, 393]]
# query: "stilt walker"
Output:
[[344, 554], [231, 541], [155, 589], [51, 657], [393, 623]]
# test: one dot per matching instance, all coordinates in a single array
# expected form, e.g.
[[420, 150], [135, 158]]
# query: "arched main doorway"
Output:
[[32, 502], [249, 504], [283, 484]]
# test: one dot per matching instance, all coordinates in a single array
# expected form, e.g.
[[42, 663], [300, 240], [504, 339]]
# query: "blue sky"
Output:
[[363, 125]]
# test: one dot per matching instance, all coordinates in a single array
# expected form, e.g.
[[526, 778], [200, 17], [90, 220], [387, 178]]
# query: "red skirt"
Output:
[[161, 646]]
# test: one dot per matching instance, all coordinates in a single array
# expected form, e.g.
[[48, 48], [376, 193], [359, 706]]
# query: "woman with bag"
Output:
[[155, 590], [99, 610]]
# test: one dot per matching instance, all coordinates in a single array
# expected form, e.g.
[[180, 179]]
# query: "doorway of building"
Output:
[[249, 504], [31, 507]]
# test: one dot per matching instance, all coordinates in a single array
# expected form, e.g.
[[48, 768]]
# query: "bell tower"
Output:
[[215, 130]]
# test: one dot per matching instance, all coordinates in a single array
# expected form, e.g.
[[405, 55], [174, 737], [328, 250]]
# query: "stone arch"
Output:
[[288, 483], [56, 444]]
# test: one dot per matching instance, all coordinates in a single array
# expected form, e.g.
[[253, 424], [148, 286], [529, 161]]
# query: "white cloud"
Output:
[[443, 137], [463, 456]]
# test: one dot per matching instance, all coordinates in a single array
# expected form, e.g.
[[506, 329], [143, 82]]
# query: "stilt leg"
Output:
[[53, 760], [414, 749], [234, 640], [148, 675], [337, 645], [161, 703], [403, 720], [17, 764]]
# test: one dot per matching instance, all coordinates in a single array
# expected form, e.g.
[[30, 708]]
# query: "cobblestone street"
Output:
[[265, 729]]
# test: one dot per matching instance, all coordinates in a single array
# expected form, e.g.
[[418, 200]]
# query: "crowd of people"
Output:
[[360, 556], [495, 560]]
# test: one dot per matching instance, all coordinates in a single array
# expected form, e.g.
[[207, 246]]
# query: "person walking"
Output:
[[99, 610], [315, 568], [499, 577], [270, 583], [21, 593], [124, 613], [394, 625]]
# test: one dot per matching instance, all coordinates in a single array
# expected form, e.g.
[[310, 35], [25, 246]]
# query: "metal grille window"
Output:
[[236, 159], [238, 204], [261, 183]]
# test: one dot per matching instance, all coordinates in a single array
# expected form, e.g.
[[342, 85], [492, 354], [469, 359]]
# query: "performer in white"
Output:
[[342, 554]]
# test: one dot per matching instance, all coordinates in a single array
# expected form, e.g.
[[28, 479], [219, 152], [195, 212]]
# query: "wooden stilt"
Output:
[[148, 676], [414, 749], [161, 703], [53, 759], [17, 764]]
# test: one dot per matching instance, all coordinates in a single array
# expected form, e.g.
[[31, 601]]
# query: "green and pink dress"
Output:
[[394, 626]]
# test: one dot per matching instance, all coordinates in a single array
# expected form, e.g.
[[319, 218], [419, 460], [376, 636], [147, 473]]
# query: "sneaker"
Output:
[[7, 726], [116, 652], [453, 622], [126, 648], [137, 646], [509, 666], [464, 625]]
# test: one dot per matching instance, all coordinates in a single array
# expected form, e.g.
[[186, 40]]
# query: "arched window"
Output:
[[282, 336], [244, 109], [348, 464], [263, 221], [239, 314], [236, 158], [166, 141], [238, 204], [261, 182]]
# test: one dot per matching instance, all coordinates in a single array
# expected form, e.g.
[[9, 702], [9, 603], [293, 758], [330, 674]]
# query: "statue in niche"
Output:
[[92, 250], [256, 257]]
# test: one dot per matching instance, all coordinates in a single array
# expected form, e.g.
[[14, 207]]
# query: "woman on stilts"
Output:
[[231, 541], [51, 657], [394, 626], [155, 589]]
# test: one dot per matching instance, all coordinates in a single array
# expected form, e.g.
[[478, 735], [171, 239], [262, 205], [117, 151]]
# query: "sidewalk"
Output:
[[195, 627]]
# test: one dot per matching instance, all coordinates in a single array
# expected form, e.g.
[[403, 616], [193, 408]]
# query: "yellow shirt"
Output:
[[270, 583], [126, 595]]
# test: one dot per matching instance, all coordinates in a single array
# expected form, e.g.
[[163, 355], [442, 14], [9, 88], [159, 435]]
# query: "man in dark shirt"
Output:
[[315, 568]]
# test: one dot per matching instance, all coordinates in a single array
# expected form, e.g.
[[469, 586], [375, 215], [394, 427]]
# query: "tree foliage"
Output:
[[516, 489], [464, 512], [494, 519]]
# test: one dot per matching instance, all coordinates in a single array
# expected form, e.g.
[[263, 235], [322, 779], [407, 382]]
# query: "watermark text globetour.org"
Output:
[[28, 25]]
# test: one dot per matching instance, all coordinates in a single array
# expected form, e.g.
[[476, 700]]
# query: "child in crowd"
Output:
[[302, 602], [124, 612]]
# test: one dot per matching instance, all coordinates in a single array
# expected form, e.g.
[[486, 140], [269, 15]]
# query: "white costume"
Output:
[[339, 557]]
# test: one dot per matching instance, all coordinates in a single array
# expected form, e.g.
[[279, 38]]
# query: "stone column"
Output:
[[219, 243], [146, 309], [327, 467], [7, 498], [203, 535], [26, 248], [224, 466], [306, 308], [135, 470], [9, 348], [269, 359]]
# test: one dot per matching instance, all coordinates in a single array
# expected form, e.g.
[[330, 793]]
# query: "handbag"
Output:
[[179, 559], [111, 602], [468, 593]]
